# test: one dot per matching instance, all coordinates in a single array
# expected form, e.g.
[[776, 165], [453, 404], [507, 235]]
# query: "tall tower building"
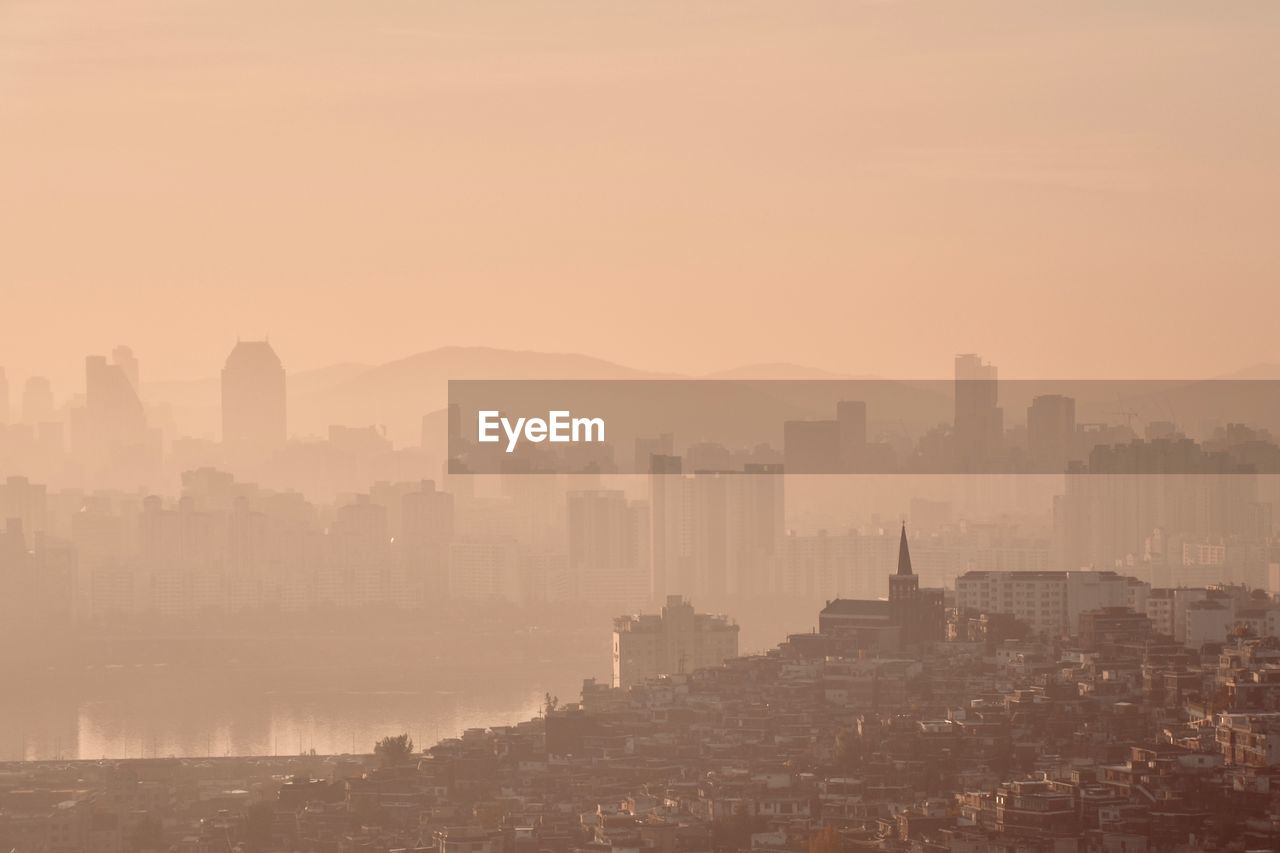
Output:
[[919, 613], [37, 400], [979, 421], [113, 417], [851, 415], [253, 399], [123, 357], [903, 584], [677, 641], [1051, 428], [608, 547], [668, 527]]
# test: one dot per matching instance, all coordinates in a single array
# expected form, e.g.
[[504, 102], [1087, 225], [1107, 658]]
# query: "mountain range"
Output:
[[398, 394]]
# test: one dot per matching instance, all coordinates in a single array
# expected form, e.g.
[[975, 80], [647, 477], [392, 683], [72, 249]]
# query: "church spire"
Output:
[[904, 555]]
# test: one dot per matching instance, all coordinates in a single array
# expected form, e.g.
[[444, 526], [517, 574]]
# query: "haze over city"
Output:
[[929, 496], [862, 187]]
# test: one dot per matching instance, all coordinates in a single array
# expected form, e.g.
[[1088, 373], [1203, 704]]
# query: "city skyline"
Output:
[[197, 399], [639, 426], [1266, 366]]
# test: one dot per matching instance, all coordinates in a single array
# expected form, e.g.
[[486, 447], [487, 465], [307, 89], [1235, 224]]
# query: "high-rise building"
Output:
[[851, 415], [426, 529], [820, 564], [111, 428], [1050, 603], [485, 569], [123, 357], [979, 421], [253, 399], [716, 533], [608, 547], [37, 400], [677, 641], [1111, 507], [25, 501], [811, 447], [668, 527], [1051, 429], [736, 530], [662, 445]]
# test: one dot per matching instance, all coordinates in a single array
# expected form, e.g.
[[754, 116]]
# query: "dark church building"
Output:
[[911, 615]]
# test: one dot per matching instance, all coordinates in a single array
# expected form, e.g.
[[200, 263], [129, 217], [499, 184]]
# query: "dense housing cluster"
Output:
[[995, 738]]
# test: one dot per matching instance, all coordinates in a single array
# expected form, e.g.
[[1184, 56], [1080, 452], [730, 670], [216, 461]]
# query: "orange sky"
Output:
[[1071, 189]]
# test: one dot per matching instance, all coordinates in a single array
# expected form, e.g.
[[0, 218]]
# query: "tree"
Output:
[[394, 750], [550, 703]]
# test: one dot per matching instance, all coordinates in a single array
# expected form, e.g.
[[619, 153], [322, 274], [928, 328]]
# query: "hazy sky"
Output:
[[1070, 188]]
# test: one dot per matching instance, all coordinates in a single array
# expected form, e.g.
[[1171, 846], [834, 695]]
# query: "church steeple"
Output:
[[904, 594], [904, 554]]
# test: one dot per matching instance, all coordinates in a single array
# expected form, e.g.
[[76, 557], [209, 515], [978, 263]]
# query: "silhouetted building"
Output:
[[919, 613], [979, 421], [1051, 427], [123, 357], [911, 614], [37, 400], [851, 415], [1111, 507], [811, 447], [668, 533], [485, 569], [661, 445], [253, 399], [110, 431], [608, 547]]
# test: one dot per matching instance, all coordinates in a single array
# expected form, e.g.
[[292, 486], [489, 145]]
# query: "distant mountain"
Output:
[[397, 394], [778, 370], [1263, 370], [322, 378]]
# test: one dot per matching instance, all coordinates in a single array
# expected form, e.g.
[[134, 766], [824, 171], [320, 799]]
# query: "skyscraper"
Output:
[[123, 357], [668, 528], [608, 547], [979, 421], [37, 400], [1051, 428], [851, 415], [811, 447], [679, 640], [112, 425], [253, 399]]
